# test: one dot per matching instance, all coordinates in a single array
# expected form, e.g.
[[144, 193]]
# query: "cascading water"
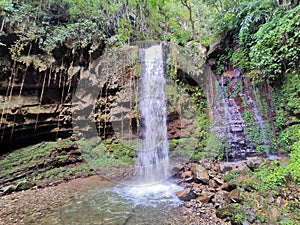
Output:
[[261, 124], [153, 159], [152, 164]]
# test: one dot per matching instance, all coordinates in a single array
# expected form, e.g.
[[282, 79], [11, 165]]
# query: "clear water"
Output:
[[153, 159], [109, 205], [153, 195]]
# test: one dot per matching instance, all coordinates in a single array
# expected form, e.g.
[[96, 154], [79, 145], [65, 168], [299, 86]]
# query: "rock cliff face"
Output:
[[240, 115], [36, 92], [44, 97]]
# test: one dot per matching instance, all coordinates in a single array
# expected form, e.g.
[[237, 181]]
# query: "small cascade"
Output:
[[260, 123], [229, 105], [153, 159], [234, 126]]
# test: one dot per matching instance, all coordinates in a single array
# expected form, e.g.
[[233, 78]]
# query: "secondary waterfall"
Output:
[[153, 159]]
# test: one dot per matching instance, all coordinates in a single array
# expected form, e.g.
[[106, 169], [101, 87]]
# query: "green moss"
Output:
[[108, 157], [183, 147], [33, 161], [231, 176], [233, 212], [20, 158], [68, 173], [125, 152]]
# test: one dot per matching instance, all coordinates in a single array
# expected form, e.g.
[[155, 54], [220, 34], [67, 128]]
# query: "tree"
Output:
[[187, 4]]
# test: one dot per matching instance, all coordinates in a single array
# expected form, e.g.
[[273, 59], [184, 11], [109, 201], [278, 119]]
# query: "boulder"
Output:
[[205, 197], [225, 168], [235, 196], [8, 189], [186, 174], [186, 194], [274, 214], [228, 186], [212, 184], [24, 185], [200, 174], [253, 163]]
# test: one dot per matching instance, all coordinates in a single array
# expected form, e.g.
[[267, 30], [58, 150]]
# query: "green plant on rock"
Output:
[[68, 173], [253, 132], [182, 147], [76, 35], [116, 149], [214, 147], [274, 175], [276, 50], [286, 103], [231, 176]]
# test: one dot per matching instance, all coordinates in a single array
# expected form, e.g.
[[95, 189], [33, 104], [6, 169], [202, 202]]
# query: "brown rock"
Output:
[[200, 174], [225, 168], [216, 168], [212, 184], [274, 214], [208, 166], [205, 197], [186, 194], [218, 181], [189, 204], [186, 174], [253, 163], [228, 187], [235, 195]]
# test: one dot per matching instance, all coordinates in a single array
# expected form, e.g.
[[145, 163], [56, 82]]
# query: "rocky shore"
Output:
[[28, 207], [226, 191]]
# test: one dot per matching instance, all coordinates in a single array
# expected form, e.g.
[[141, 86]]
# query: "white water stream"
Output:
[[153, 159]]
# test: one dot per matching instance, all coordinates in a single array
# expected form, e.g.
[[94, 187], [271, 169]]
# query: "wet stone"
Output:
[[200, 174], [186, 194]]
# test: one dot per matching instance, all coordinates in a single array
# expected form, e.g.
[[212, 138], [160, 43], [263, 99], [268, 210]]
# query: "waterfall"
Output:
[[153, 160], [234, 125], [260, 122], [228, 119]]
